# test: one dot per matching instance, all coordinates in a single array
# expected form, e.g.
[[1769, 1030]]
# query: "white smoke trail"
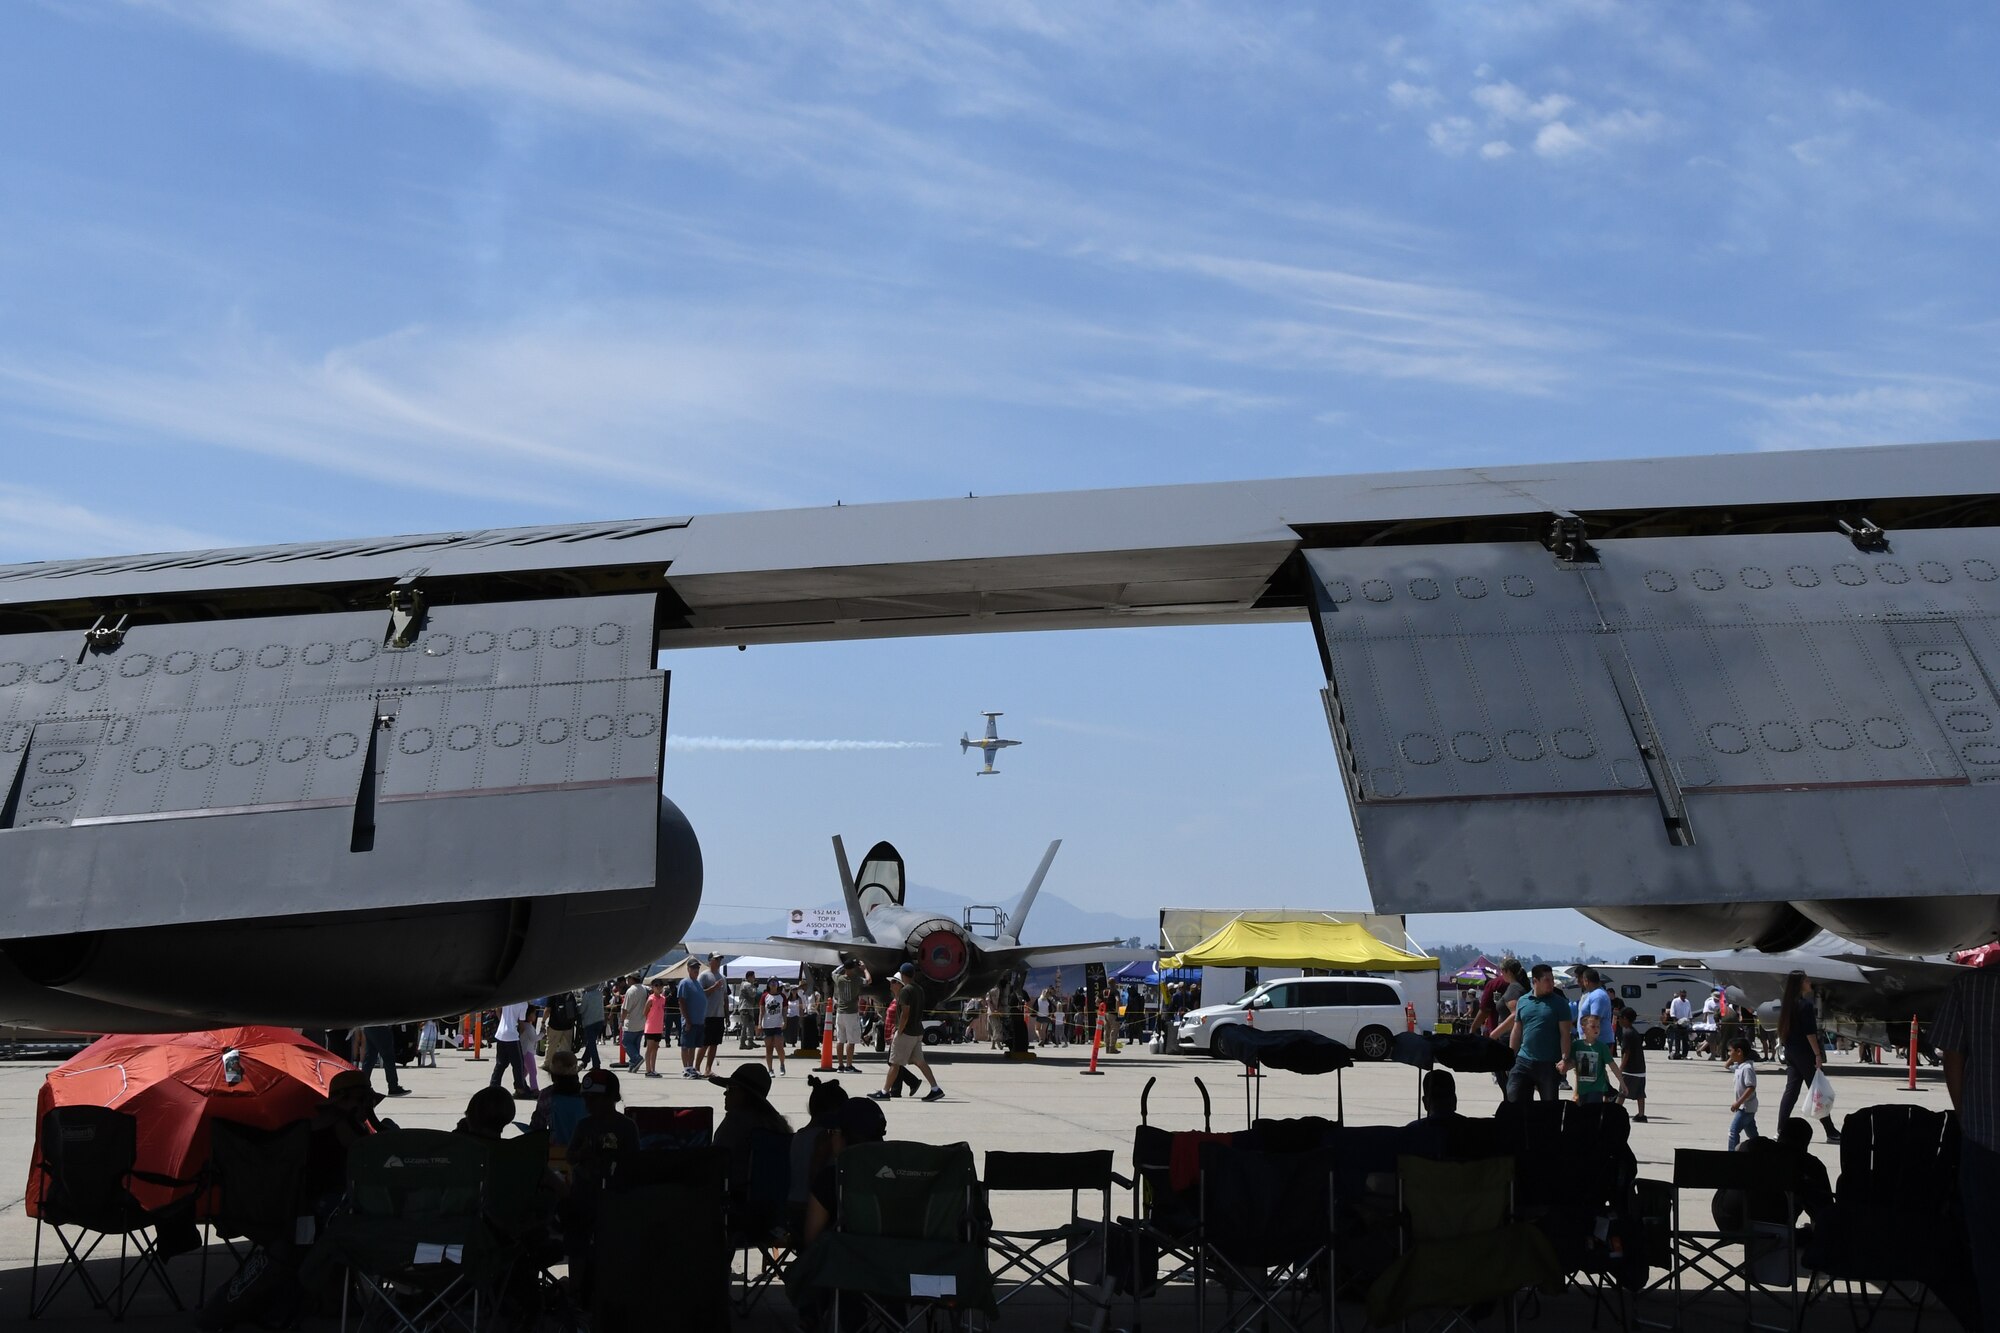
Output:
[[745, 745]]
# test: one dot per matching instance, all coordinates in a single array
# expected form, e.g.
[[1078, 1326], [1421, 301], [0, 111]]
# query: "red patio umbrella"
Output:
[[175, 1083]]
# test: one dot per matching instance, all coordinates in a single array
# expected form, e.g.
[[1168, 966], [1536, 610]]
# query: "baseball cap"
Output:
[[601, 1082], [907, 970], [351, 1080], [753, 1079]]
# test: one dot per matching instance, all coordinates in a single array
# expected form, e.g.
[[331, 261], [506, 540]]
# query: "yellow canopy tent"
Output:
[[1339, 945]]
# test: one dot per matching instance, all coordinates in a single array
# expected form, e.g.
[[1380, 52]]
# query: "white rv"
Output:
[[1645, 987]]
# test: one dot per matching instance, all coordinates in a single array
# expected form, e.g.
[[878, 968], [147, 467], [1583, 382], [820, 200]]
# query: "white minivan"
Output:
[[1360, 1012]]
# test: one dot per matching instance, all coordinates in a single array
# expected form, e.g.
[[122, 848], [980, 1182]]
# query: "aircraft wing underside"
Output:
[[1717, 702]]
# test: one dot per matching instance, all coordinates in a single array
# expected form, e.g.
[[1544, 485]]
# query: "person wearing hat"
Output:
[[715, 1012], [847, 982], [859, 1121], [551, 1113], [908, 1047], [694, 1015], [746, 1113], [487, 1114], [602, 1137], [346, 1117]]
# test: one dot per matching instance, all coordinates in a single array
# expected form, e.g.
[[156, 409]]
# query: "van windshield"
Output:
[[1243, 1001]]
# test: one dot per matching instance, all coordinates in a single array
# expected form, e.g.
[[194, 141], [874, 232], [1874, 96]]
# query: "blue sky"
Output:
[[277, 271]]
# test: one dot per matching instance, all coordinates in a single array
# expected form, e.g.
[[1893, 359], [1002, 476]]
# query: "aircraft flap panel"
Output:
[[210, 771], [1686, 719]]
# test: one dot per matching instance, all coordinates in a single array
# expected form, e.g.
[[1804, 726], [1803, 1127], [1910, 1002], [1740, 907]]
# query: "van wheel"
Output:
[[1372, 1044], [1215, 1046]]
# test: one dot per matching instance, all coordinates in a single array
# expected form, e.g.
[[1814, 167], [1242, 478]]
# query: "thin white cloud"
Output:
[[1875, 415], [1506, 103], [36, 524], [1495, 149], [1412, 94], [1559, 140], [769, 745]]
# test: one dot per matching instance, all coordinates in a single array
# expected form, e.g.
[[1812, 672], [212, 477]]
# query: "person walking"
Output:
[[747, 1000], [795, 1016], [590, 1011], [694, 1020], [771, 1021], [1541, 1034], [632, 1017], [1595, 1000], [1742, 1062], [846, 1015], [1631, 1049], [1805, 1053], [908, 1048], [378, 1045], [507, 1048], [1593, 1062], [1967, 1032], [531, 1053], [656, 1023]]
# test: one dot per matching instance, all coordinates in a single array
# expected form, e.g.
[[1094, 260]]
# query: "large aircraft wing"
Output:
[[825, 952], [1692, 685], [1110, 952]]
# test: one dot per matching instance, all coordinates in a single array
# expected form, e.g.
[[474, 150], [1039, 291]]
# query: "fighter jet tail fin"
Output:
[[857, 920], [1027, 903]]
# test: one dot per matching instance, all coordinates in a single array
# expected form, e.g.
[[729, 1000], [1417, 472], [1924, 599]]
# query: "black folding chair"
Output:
[[1762, 1257], [759, 1221], [673, 1126], [684, 1189], [1158, 1240], [1591, 1217], [84, 1164], [253, 1194], [1266, 1236], [1895, 1225], [1069, 1255]]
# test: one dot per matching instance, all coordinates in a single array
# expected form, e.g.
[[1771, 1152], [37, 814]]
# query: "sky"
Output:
[[281, 270]]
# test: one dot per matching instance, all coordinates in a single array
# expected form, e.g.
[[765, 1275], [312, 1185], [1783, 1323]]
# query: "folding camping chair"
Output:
[[1593, 1205], [759, 1222], [673, 1126], [908, 1239], [84, 1162], [252, 1192], [685, 1188], [1065, 1256], [410, 1233], [1166, 1204], [1765, 1258], [1266, 1236], [1895, 1223], [1460, 1245]]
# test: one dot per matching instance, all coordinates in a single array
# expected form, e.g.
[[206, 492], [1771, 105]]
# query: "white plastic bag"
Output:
[[1819, 1096]]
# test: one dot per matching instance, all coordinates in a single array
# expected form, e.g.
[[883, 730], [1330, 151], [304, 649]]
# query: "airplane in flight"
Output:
[[1718, 702], [885, 932], [990, 746]]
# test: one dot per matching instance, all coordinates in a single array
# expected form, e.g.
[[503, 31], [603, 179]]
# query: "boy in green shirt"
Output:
[[1592, 1059]]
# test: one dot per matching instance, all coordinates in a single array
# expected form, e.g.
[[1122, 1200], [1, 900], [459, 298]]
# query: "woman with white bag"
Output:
[[1798, 1034]]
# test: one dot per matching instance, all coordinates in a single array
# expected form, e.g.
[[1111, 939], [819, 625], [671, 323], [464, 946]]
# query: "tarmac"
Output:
[[1045, 1104]]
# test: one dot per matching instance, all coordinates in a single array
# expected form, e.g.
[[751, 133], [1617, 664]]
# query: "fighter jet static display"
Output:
[[1864, 996], [988, 747], [1724, 701], [950, 957]]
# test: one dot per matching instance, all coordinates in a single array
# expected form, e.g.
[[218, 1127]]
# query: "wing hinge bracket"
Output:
[[1863, 532], [1567, 539], [406, 611], [104, 636]]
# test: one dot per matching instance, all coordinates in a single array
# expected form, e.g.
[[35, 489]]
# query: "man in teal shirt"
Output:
[[1542, 1025]]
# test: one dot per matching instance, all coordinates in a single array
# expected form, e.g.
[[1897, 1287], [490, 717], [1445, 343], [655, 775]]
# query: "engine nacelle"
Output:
[[939, 949]]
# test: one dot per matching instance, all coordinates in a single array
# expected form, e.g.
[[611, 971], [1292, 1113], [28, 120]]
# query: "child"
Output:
[[427, 1044], [1632, 1062], [1743, 1121], [1591, 1059]]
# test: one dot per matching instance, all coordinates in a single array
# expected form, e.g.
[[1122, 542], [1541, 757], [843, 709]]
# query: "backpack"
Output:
[[562, 1011]]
